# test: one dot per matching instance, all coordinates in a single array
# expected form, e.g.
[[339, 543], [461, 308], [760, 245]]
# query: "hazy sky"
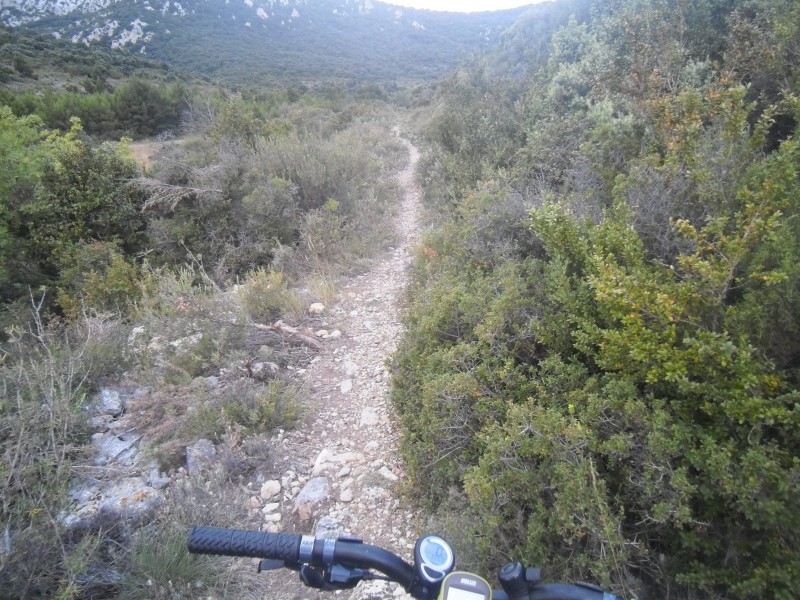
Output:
[[463, 5]]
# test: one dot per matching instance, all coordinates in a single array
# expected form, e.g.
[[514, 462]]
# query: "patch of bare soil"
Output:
[[144, 151]]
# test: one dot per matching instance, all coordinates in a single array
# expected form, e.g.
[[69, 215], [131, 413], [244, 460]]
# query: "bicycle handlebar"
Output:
[[300, 549], [297, 550], [236, 542]]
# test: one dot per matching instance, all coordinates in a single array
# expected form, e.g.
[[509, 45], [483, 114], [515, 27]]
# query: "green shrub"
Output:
[[603, 377], [259, 408], [265, 297], [652, 430], [97, 277], [247, 406], [59, 194], [22, 65]]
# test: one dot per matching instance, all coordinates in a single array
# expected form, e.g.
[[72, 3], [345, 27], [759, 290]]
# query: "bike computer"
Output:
[[465, 586], [433, 558]]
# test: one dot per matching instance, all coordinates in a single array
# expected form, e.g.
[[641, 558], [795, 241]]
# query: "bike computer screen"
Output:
[[433, 558], [464, 586]]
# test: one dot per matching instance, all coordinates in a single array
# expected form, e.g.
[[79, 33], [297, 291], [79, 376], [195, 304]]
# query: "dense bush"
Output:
[[113, 93], [136, 108], [607, 382], [98, 277], [58, 194], [256, 190]]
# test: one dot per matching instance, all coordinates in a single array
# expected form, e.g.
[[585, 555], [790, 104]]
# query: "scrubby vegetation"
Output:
[[112, 93], [27, 57], [299, 190], [136, 109], [601, 362], [600, 374], [311, 42], [162, 280]]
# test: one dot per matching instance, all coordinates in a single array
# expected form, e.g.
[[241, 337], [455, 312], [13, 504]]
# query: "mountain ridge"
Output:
[[360, 39]]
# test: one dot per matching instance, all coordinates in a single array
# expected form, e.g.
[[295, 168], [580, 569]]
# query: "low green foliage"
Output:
[[58, 196], [247, 406], [99, 278], [601, 357], [262, 407], [264, 296]]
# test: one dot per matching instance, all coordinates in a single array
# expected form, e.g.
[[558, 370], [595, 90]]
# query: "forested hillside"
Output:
[[114, 94], [601, 369], [259, 42]]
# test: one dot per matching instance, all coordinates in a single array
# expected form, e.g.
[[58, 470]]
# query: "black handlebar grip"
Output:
[[235, 542]]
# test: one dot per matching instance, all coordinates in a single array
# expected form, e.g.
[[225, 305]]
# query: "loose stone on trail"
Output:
[[312, 494], [270, 489], [369, 417], [110, 402], [350, 368]]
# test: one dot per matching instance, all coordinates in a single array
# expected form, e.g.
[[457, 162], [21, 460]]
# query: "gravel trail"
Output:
[[340, 471]]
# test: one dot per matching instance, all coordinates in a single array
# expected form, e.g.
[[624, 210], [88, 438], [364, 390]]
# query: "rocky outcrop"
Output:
[[125, 487]]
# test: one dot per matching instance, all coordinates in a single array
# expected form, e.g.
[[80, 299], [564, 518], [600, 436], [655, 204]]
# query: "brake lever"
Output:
[[271, 565], [345, 578], [312, 577], [335, 578]]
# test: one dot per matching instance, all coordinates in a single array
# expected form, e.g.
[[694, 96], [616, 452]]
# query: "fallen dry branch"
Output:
[[166, 196], [281, 327]]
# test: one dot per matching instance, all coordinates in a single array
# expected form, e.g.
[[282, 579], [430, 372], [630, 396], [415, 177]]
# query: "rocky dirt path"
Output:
[[340, 471]]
